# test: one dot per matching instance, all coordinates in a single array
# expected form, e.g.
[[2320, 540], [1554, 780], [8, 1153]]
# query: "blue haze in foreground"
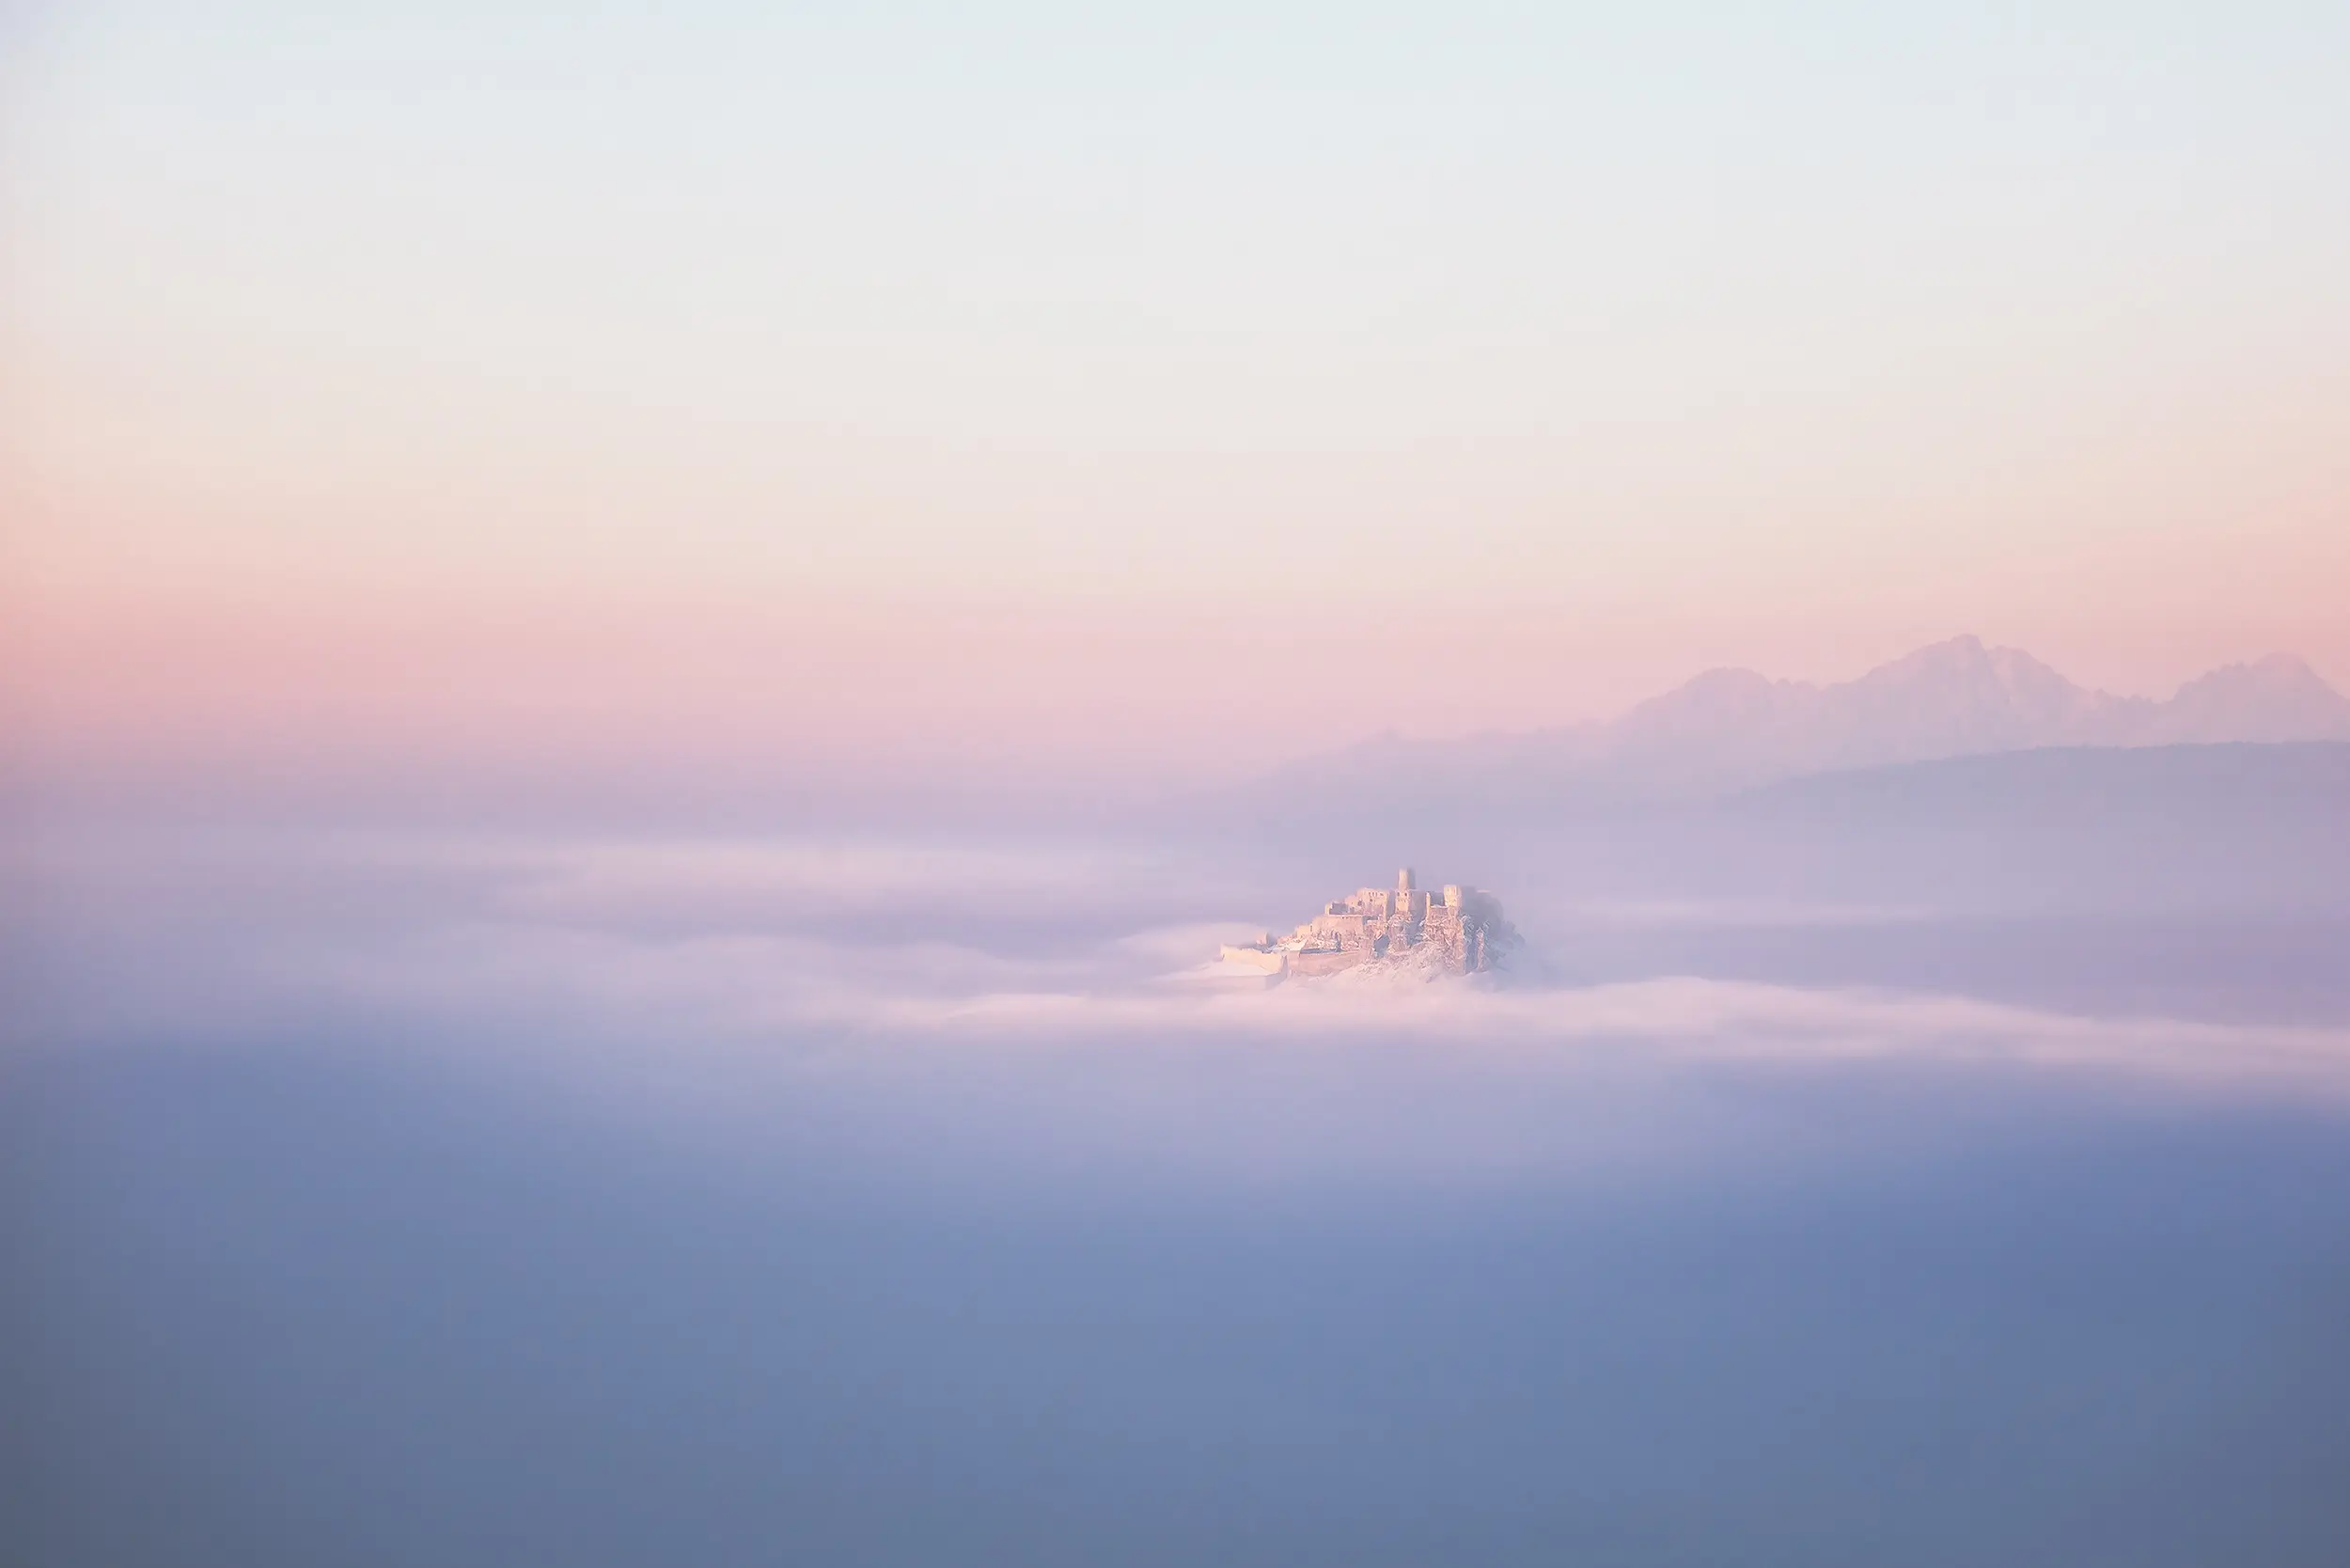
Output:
[[1852, 1191], [280, 1311], [268, 1309]]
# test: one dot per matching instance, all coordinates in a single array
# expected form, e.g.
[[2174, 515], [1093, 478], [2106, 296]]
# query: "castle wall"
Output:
[[1341, 926], [1456, 930]]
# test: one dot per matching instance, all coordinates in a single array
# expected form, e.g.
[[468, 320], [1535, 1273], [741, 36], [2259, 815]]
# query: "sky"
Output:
[[873, 393]]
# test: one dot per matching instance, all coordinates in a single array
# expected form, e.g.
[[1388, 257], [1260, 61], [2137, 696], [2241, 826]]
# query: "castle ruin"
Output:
[[1459, 932]]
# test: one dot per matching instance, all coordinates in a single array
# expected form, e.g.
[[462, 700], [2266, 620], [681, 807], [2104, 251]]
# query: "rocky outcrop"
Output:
[[1458, 930]]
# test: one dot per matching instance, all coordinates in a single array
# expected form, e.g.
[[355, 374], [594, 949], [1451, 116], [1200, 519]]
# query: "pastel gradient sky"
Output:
[[862, 392]]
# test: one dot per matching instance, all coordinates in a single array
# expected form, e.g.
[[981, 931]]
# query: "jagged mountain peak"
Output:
[[1966, 664], [2276, 698], [1730, 727]]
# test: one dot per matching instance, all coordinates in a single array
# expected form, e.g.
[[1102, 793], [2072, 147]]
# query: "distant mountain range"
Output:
[[1732, 729]]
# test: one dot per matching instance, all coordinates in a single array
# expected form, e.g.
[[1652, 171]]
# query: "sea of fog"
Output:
[[384, 1197]]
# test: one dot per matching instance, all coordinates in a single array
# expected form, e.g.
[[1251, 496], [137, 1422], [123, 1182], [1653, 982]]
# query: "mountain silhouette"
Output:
[[1733, 728]]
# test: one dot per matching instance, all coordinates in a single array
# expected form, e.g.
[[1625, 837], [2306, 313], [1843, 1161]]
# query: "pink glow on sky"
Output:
[[1126, 413]]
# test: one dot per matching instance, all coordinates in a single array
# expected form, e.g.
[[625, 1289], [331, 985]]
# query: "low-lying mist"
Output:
[[399, 1196]]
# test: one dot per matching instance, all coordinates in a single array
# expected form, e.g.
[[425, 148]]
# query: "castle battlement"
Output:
[[1458, 931]]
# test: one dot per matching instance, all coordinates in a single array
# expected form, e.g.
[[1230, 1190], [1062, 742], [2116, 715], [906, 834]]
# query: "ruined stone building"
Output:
[[1460, 931]]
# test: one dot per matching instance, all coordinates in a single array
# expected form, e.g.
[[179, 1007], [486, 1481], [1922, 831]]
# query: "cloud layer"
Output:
[[1015, 1007]]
